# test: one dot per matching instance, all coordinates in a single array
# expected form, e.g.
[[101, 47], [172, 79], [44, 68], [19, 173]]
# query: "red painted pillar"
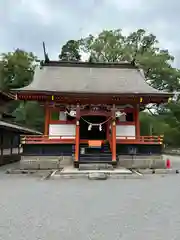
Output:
[[47, 118], [77, 142], [113, 127], [137, 122], [113, 134], [77, 137]]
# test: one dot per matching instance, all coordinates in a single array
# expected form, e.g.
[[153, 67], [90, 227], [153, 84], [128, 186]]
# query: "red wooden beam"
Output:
[[113, 133], [77, 137], [47, 118], [137, 122]]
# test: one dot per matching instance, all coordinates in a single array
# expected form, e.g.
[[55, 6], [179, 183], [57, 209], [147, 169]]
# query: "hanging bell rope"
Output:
[[95, 124]]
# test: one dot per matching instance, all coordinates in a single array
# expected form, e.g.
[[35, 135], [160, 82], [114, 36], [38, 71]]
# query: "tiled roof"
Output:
[[98, 78], [13, 126]]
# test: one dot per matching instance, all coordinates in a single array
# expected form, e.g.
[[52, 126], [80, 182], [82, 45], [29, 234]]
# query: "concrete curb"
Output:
[[68, 176], [159, 171], [171, 153], [95, 175], [20, 171], [86, 176]]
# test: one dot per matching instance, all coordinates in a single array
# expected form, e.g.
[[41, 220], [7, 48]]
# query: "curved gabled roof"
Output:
[[97, 78]]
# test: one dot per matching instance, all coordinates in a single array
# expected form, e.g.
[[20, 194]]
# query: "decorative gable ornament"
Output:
[[119, 114], [72, 113]]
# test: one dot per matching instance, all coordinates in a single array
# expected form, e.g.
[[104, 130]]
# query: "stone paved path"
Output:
[[32, 209]]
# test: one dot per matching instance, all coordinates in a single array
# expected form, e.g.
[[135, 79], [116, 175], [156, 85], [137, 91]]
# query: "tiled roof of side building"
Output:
[[89, 78], [6, 95], [16, 127]]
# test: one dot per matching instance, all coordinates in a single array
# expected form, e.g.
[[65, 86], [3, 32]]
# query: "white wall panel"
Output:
[[62, 130], [125, 131]]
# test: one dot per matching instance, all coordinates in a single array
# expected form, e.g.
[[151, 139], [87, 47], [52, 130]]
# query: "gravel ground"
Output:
[[32, 209]]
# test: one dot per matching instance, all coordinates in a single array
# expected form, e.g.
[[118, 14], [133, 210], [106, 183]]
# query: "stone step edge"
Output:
[[158, 171]]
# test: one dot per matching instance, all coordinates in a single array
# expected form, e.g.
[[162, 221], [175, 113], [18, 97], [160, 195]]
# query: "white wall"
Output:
[[125, 131], [62, 116], [62, 130]]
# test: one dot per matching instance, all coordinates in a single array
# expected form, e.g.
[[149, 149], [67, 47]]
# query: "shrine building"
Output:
[[91, 111], [10, 132]]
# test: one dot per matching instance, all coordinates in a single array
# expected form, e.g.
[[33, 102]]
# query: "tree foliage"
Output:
[[70, 51], [139, 47], [16, 71]]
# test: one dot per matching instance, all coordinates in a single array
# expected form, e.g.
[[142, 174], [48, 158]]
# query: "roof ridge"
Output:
[[122, 64]]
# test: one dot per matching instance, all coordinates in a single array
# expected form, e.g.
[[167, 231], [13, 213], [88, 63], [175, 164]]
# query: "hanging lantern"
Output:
[[89, 127], [169, 100]]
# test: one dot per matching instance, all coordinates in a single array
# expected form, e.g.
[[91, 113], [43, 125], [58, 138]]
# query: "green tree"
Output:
[[30, 114], [138, 47], [16, 71], [70, 51]]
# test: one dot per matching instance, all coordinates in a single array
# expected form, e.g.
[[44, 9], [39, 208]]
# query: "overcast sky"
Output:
[[26, 23]]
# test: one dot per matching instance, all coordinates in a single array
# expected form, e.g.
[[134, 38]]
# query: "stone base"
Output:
[[97, 176], [91, 166], [126, 161], [7, 159], [142, 162], [44, 162]]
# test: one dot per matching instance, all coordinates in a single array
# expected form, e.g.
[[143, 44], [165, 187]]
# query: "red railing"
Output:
[[140, 139], [46, 139]]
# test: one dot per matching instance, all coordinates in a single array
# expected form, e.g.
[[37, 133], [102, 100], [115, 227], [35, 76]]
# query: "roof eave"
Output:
[[19, 128], [158, 94], [8, 95]]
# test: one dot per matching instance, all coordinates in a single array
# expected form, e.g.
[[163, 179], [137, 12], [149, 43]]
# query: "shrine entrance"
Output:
[[91, 128]]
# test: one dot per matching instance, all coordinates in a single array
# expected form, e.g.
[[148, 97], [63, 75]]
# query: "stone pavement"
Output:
[[71, 172], [80, 209]]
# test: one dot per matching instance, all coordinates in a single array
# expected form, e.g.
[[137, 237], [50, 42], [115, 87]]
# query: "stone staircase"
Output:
[[89, 155]]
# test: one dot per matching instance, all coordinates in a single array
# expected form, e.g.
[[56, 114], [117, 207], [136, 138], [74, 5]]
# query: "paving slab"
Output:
[[97, 176], [159, 171], [146, 171], [72, 170], [166, 171], [95, 166], [49, 164], [29, 164]]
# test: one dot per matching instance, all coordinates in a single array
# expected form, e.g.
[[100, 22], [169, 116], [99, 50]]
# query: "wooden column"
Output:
[[137, 122], [113, 134], [77, 137], [46, 121]]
